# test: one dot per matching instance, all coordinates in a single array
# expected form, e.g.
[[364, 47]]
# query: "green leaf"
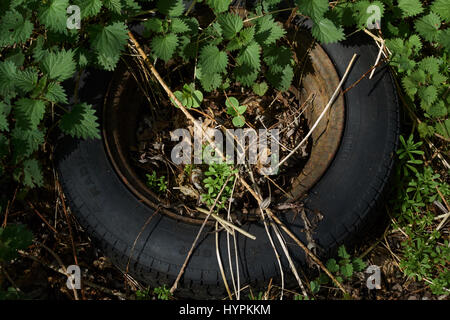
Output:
[[268, 31], [410, 8], [4, 112], [281, 80], [358, 264], [238, 121], [250, 56], [437, 110], [245, 75], [218, 6], [53, 14], [315, 9], [430, 65], [444, 39], [89, 8], [212, 60], [441, 7], [332, 266], [113, 5], [80, 122], [260, 88], [209, 81], [109, 42], [427, 95], [8, 73], [179, 26], [153, 24], [326, 32], [342, 253], [347, 270], [315, 287], [55, 93], [443, 128], [15, 29], [32, 174], [231, 24], [25, 142], [29, 113], [428, 26], [60, 65], [164, 46], [26, 80], [277, 58], [171, 8]]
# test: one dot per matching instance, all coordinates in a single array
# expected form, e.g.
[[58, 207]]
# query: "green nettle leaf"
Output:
[[245, 75], [277, 58], [178, 25], [25, 142], [186, 48], [89, 8], [250, 56], [56, 93], [8, 73], [81, 122], [443, 128], [113, 5], [315, 9], [164, 46], [231, 24], [444, 39], [32, 174], [212, 60], [437, 110], [15, 29], [430, 64], [29, 113], [427, 95], [171, 8], [332, 266], [59, 66], [428, 26], [347, 270], [326, 31], [109, 42], [268, 31], [4, 112], [410, 8], [26, 80], [358, 264], [53, 15], [441, 7], [342, 253], [260, 88], [153, 24], [218, 6], [281, 80], [209, 82]]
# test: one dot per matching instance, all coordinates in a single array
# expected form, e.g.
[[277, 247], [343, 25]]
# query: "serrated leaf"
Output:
[[32, 174], [358, 264], [437, 110], [231, 24], [281, 80], [59, 65], [8, 73], [347, 270], [315, 9], [89, 8], [55, 93], [209, 82], [26, 80], [442, 8], [268, 31], [153, 24], [444, 39], [342, 253], [430, 64], [53, 14], [428, 26], [443, 128], [4, 112], [179, 26], [212, 60], [326, 32], [245, 75], [218, 6], [171, 8], [277, 58], [29, 113], [113, 5], [186, 48], [332, 266], [15, 29], [250, 56], [164, 46], [81, 122], [109, 42], [25, 142], [427, 95], [410, 8]]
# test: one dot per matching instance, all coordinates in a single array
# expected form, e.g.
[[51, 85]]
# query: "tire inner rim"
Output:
[[317, 76]]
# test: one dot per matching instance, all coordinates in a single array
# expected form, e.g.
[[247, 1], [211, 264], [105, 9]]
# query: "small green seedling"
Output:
[[235, 110], [189, 97], [216, 176], [162, 293], [155, 183], [260, 88]]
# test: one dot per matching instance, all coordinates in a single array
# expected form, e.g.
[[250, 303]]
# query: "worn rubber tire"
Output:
[[346, 195]]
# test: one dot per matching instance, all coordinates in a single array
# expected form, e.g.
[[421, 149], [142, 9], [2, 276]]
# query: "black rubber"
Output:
[[346, 195]]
